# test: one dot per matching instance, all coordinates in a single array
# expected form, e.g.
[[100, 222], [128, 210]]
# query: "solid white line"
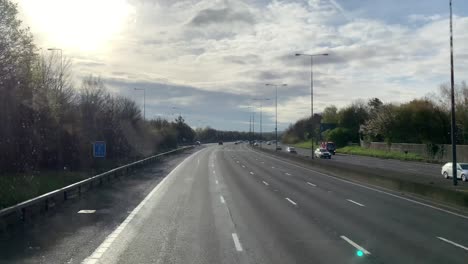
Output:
[[266, 183], [349, 200], [370, 188], [222, 199], [237, 243], [291, 201], [311, 184], [252, 173], [453, 243], [101, 249], [358, 247], [287, 174]]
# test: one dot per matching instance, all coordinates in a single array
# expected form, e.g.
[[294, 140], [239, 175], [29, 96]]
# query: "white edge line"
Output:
[[373, 189], [453, 243], [291, 201], [358, 247], [237, 243], [311, 184], [101, 249], [266, 183], [222, 199], [354, 202]]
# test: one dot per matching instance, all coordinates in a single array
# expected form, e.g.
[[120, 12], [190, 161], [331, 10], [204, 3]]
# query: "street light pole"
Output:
[[452, 97], [276, 112], [311, 98], [144, 101], [261, 99]]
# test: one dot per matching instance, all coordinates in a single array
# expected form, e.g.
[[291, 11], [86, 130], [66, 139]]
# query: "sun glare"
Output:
[[85, 25]]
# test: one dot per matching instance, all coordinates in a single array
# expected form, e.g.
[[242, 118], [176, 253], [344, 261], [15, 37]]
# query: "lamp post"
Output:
[[452, 97], [276, 111], [311, 56], [261, 99], [144, 101]]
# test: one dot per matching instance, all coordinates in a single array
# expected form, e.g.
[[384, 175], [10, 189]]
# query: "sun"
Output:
[[85, 25]]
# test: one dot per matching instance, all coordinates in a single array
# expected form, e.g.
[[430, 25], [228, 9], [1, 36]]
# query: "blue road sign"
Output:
[[99, 149]]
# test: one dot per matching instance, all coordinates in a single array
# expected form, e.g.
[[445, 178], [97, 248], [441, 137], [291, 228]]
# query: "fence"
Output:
[[24, 210]]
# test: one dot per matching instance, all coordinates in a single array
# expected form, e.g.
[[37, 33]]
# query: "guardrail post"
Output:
[[46, 204], [65, 195]]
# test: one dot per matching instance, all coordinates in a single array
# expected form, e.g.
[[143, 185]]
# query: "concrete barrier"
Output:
[[28, 209]]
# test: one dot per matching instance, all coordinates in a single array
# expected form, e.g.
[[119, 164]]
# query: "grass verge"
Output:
[[356, 150], [16, 188]]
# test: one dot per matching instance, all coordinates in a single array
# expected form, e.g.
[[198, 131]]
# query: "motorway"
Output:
[[427, 169], [229, 204]]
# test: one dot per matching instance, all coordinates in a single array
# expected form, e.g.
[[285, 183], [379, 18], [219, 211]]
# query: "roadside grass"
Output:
[[16, 188], [304, 144], [357, 150]]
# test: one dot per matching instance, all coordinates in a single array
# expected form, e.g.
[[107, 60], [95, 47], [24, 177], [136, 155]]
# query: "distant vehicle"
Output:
[[237, 142], [330, 146], [462, 171], [278, 148], [268, 142], [256, 144], [198, 143], [322, 153], [291, 150], [220, 143]]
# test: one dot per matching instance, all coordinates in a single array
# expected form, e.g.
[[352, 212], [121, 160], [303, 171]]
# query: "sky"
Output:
[[209, 59]]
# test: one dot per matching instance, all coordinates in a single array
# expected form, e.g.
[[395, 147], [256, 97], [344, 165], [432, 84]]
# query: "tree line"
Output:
[[424, 121], [48, 122]]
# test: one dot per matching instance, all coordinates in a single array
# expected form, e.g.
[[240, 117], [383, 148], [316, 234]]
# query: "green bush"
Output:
[[341, 136]]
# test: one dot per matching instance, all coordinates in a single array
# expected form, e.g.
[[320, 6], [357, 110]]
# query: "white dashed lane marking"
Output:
[[358, 247], [354, 202], [266, 183], [453, 243], [291, 201], [237, 243]]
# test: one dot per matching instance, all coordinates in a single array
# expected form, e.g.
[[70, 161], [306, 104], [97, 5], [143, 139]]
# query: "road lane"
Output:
[[417, 225]]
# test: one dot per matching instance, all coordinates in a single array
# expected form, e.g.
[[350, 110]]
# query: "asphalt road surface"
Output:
[[228, 204], [429, 169]]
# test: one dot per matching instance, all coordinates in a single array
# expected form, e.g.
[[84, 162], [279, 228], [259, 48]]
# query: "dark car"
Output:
[[220, 143]]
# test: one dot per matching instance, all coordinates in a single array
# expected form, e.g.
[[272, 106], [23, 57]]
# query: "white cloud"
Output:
[[236, 46]]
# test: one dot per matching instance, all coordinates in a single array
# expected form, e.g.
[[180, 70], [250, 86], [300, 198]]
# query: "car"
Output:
[[220, 143], [291, 150], [462, 171], [322, 153], [198, 143], [237, 142], [268, 142], [256, 144], [278, 148]]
